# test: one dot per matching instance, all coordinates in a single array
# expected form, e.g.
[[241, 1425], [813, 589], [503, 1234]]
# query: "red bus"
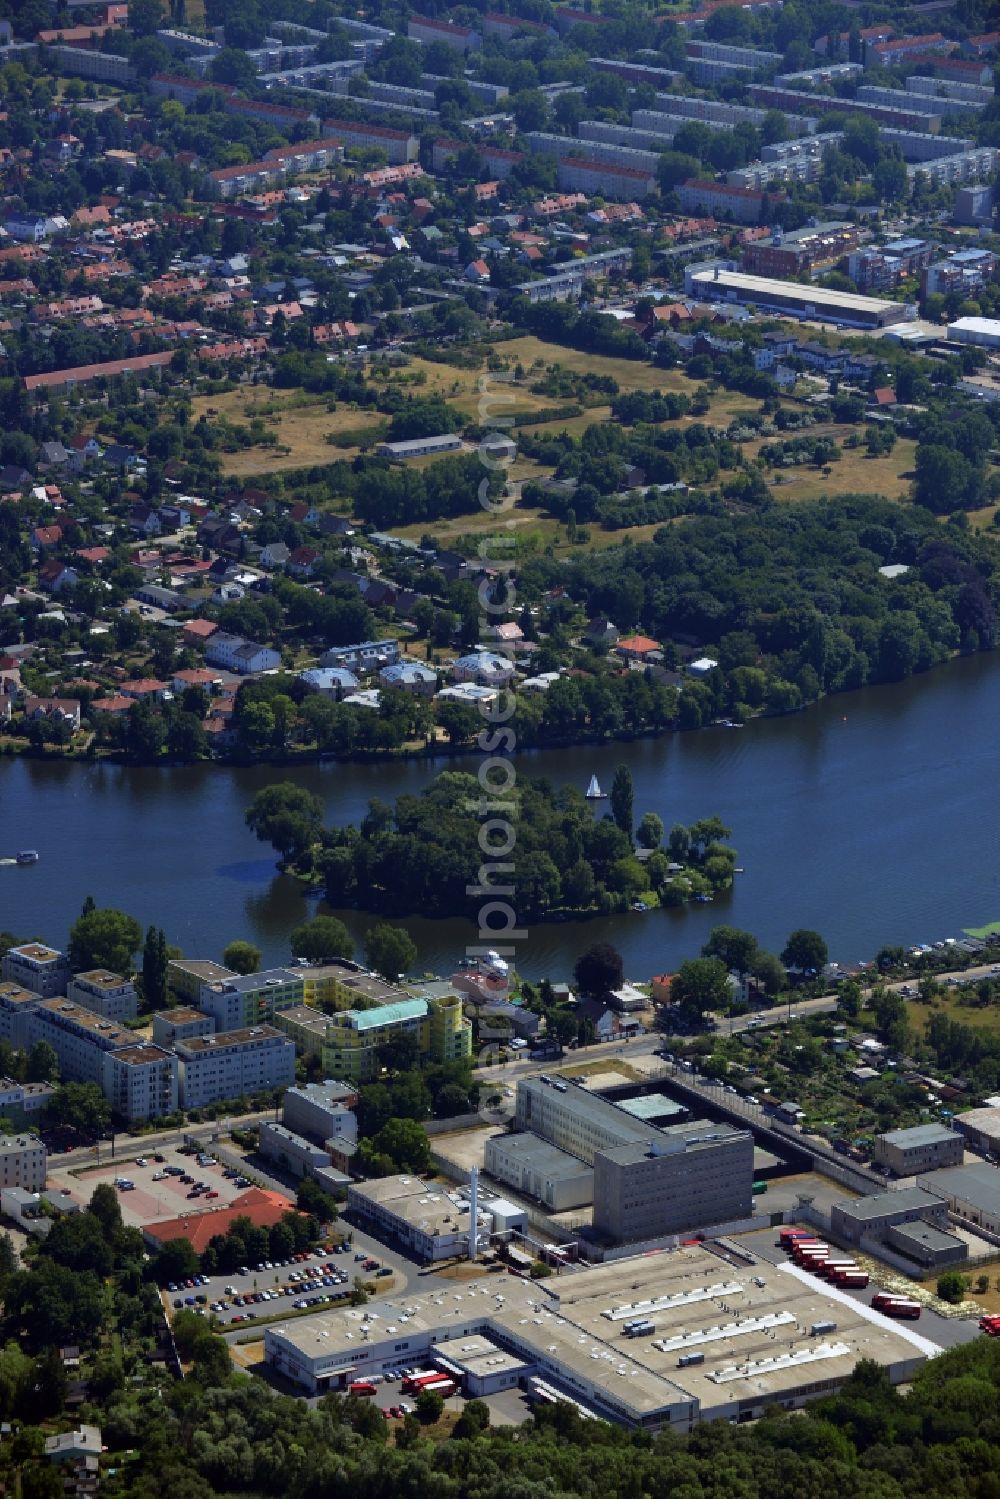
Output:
[[787, 1236], [811, 1252], [361, 1387], [443, 1386], [896, 1306], [829, 1267], [990, 1325], [855, 1277], [415, 1380]]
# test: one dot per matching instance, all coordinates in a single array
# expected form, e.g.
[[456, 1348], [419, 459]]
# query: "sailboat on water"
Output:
[[594, 792]]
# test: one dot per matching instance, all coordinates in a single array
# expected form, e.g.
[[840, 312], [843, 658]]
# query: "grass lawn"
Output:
[[982, 520], [853, 473], [957, 1004], [301, 422]]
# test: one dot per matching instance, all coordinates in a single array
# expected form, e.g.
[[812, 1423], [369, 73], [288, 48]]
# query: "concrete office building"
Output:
[[981, 1127], [772, 1337], [107, 994], [975, 205], [536, 1169], [688, 1176], [297, 1156], [321, 1111], [871, 1217], [233, 1064], [23, 1162], [43, 970], [647, 1181], [907, 1152], [970, 1192], [171, 1026], [248, 999], [140, 1082], [848, 309]]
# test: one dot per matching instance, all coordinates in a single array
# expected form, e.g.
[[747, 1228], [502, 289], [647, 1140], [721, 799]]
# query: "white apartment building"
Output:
[[16, 1004], [140, 1082], [78, 1037], [43, 970], [108, 994], [233, 1064], [22, 1162], [171, 1026]]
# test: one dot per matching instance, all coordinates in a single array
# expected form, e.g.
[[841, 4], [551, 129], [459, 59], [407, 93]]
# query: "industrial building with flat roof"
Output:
[[430, 1221], [725, 1343], [819, 303], [870, 1217], [645, 1182], [981, 1127], [970, 1192], [923, 1148]]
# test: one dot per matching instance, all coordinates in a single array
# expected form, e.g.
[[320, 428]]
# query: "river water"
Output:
[[873, 817]]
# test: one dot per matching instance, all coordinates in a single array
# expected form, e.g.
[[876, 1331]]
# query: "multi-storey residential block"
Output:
[[739, 205], [24, 1102], [611, 153], [16, 1004], [171, 1026], [428, 29], [248, 999], [78, 1037], [398, 145], [233, 1064], [43, 970], [188, 976], [23, 1161], [964, 272], [140, 1082], [976, 165], [108, 994], [900, 98], [354, 1037], [785, 99]]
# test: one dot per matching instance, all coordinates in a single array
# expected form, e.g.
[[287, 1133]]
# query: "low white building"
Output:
[[233, 653], [420, 447], [982, 332]]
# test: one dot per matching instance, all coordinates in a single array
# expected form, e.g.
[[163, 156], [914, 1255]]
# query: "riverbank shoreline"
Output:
[[11, 748]]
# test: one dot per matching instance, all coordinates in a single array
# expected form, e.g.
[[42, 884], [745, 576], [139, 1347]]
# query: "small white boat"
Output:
[[594, 792], [27, 856]]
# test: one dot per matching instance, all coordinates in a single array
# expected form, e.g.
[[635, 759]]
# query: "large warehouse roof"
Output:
[[820, 297]]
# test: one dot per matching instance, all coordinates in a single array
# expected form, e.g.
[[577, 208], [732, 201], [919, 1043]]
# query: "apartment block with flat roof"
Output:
[[188, 976], [250, 999], [140, 1082], [233, 1064], [108, 994], [78, 1037], [23, 1160], [436, 1023], [171, 1026], [43, 970], [16, 1003]]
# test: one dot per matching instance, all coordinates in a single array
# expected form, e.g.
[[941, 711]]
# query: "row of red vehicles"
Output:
[[834, 1265], [413, 1384]]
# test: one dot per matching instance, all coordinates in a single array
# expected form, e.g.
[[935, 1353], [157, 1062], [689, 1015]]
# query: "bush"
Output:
[[951, 1287]]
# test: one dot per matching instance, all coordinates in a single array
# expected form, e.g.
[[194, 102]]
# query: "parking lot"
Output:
[[158, 1189], [317, 1279]]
